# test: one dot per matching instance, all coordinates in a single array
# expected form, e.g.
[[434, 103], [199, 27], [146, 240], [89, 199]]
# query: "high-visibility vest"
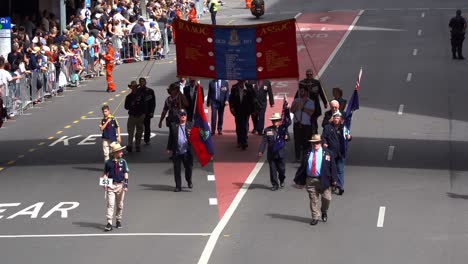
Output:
[[215, 3]]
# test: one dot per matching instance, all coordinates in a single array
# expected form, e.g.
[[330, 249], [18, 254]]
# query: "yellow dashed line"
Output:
[[1, 168], [50, 138], [40, 144], [83, 117], [32, 150], [67, 126], [124, 91], [11, 162], [20, 156], [59, 132], [117, 95], [91, 112], [104, 103], [76, 122], [226, 235], [111, 99]]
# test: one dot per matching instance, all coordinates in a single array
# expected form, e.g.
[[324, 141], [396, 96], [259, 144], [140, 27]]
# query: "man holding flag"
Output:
[[200, 136], [275, 136]]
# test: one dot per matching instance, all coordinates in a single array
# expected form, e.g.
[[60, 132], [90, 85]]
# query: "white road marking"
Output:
[[409, 76], [210, 178], [213, 201], [400, 109], [205, 256], [420, 32], [323, 29], [350, 28], [324, 19], [381, 218], [298, 15], [104, 234], [415, 52], [423, 14], [391, 149]]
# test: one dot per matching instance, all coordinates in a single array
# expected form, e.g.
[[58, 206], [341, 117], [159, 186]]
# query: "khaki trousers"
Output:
[[314, 188], [115, 196], [138, 122], [106, 148]]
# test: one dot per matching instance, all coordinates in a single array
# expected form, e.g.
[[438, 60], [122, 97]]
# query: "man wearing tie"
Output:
[[262, 88], [218, 97], [190, 92], [317, 172]]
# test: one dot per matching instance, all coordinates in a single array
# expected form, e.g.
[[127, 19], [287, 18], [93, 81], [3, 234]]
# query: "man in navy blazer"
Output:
[[218, 98], [318, 173], [190, 92]]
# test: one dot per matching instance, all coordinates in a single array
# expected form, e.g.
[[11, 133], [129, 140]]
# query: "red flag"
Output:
[[200, 136]]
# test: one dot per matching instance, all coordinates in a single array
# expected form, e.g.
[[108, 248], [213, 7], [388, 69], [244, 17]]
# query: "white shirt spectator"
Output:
[[85, 13], [5, 79]]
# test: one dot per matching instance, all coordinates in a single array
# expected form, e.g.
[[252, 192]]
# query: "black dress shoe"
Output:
[[274, 188], [461, 58], [324, 217], [220, 133], [314, 222], [212, 133], [177, 189], [340, 191], [190, 185]]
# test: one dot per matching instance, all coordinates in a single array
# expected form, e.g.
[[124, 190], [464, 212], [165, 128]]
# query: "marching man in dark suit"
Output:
[[318, 173], [241, 102], [218, 98], [262, 88], [179, 147], [275, 157], [190, 92]]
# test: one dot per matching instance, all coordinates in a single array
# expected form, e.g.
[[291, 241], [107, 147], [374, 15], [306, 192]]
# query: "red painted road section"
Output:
[[232, 166]]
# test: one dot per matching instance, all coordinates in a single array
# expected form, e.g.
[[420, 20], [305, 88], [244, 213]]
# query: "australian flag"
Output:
[[200, 136], [353, 105], [280, 140]]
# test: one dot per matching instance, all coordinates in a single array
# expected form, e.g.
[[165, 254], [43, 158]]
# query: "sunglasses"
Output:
[[182, 114]]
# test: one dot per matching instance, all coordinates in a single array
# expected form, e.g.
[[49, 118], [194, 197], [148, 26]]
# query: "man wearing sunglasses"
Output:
[[180, 148], [317, 173]]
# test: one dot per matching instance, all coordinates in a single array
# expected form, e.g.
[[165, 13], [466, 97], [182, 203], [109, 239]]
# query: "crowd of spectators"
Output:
[[52, 58]]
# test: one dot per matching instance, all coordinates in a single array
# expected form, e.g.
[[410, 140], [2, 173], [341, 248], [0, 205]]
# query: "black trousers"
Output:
[[457, 46], [213, 17], [259, 121], [277, 171], [147, 124], [242, 128], [178, 160], [302, 134]]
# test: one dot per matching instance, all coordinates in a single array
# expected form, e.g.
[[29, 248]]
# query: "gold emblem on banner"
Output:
[[234, 39]]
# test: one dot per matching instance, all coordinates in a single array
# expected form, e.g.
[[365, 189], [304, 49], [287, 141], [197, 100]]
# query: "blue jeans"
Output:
[[340, 172]]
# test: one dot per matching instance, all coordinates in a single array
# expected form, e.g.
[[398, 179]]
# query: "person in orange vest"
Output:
[[192, 14], [109, 58], [178, 15], [248, 4]]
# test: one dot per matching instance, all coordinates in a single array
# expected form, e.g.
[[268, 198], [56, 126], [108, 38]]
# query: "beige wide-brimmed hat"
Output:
[[133, 84], [315, 138], [275, 116], [116, 147]]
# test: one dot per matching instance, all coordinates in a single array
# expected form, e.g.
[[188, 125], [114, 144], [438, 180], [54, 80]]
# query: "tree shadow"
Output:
[[90, 225], [294, 218], [457, 196], [253, 186]]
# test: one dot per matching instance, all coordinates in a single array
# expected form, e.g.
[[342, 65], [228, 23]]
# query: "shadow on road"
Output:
[[90, 225], [158, 187], [294, 218], [457, 196]]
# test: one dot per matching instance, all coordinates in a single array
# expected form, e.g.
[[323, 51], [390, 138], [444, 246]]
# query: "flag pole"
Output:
[[196, 98]]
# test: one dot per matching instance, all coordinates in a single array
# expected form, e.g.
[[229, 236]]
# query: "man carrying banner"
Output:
[[218, 97], [179, 147], [262, 88], [241, 102]]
